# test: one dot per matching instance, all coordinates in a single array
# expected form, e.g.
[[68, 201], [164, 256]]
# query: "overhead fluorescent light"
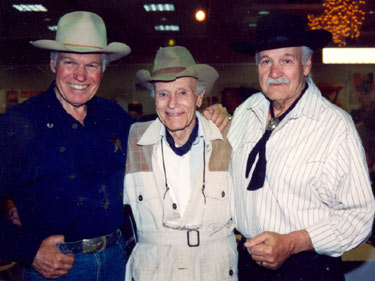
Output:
[[167, 27], [349, 55], [30, 7], [264, 12], [52, 27], [159, 7]]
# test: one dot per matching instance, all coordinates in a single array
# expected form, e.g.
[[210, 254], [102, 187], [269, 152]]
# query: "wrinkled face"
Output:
[[78, 77], [176, 103], [281, 73]]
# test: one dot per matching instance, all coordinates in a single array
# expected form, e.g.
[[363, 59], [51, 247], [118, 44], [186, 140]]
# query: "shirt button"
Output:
[[72, 176], [105, 206], [75, 126], [62, 148], [223, 194], [231, 272], [328, 269], [140, 197], [80, 203], [174, 206]]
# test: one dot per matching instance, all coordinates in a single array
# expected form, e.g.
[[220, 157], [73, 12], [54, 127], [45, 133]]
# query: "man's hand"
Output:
[[49, 261], [217, 114], [271, 249]]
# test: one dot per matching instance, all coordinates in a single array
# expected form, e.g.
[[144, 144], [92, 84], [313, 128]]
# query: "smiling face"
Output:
[[176, 103], [281, 73], [78, 77]]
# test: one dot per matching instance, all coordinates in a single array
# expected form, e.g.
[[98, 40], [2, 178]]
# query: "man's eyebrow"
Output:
[[289, 55]]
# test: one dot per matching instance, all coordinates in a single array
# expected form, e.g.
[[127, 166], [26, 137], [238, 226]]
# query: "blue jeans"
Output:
[[108, 265]]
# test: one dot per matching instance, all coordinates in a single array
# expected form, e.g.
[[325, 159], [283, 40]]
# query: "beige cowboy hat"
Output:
[[174, 62], [83, 32]]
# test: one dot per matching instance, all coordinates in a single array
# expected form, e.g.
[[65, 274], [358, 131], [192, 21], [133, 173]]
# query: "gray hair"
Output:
[[200, 87], [306, 53], [105, 59]]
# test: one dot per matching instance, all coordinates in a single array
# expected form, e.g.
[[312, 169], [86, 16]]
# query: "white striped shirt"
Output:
[[316, 175]]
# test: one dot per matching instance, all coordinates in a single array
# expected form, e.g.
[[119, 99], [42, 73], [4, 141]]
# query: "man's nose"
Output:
[[276, 71], [80, 73], [172, 102]]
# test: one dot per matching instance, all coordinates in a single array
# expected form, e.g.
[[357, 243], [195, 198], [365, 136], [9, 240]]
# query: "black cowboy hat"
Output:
[[281, 31]]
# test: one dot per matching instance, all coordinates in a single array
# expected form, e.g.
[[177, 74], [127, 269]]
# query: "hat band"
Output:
[[168, 70], [83, 46]]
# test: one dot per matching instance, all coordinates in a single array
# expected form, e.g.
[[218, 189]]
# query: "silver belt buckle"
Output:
[[94, 245]]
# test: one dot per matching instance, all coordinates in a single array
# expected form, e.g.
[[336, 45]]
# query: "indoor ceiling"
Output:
[[127, 21]]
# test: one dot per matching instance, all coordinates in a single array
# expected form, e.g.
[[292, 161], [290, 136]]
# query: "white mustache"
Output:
[[280, 80]]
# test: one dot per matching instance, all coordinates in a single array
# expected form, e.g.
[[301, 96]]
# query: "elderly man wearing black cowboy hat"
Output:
[[302, 195], [177, 179], [63, 157]]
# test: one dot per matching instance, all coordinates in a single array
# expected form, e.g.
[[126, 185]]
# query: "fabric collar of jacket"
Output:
[[152, 134], [309, 106]]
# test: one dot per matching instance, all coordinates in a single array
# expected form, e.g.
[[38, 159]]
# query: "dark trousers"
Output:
[[306, 266]]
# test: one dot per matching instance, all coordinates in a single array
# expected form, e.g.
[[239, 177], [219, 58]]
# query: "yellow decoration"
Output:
[[343, 18]]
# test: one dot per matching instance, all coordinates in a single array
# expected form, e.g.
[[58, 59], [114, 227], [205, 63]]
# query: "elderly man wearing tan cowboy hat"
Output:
[[177, 180], [63, 157], [302, 194]]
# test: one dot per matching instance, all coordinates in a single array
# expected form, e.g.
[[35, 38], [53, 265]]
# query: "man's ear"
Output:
[[200, 98], [52, 66], [307, 67]]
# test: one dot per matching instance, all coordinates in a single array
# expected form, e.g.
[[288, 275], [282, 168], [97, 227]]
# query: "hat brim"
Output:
[[115, 50], [202, 72], [314, 39]]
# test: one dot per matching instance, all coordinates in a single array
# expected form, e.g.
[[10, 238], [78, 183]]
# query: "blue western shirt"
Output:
[[65, 178]]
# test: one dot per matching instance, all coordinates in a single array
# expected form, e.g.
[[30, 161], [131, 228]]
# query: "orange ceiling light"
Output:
[[200, 15], [343, 18]]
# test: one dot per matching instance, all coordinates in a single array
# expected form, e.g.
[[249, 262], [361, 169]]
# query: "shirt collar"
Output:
[[309, 104]]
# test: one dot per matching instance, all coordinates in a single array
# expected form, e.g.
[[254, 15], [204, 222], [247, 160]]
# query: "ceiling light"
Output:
[[171, 42], [200, 15], [30, 7], [52, 27], [159, 7], [167, 27], [349, 55], [264, 13]]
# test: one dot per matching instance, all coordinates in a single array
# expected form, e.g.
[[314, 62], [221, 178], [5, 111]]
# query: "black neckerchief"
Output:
[[187, 146], [259, 174]]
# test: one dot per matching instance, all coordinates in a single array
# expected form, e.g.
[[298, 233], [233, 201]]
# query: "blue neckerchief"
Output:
[[187, 146]]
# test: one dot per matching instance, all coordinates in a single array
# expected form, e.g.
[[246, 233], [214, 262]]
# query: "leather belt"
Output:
[[89, 246]]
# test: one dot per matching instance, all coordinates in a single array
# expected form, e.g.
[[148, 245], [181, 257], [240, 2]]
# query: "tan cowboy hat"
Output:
[[83, 32], [174, 62]]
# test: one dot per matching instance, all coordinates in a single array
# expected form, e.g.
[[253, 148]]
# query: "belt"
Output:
[[89, 246], [192, 238]]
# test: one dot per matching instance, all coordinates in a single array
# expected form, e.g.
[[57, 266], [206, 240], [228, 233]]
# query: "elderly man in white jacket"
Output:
[[177, 181]]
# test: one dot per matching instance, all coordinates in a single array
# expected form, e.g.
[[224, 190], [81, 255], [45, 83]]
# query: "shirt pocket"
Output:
[[143, 197], [217, 209]]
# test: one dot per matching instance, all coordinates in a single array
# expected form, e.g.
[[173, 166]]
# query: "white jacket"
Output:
[[163, 253]]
